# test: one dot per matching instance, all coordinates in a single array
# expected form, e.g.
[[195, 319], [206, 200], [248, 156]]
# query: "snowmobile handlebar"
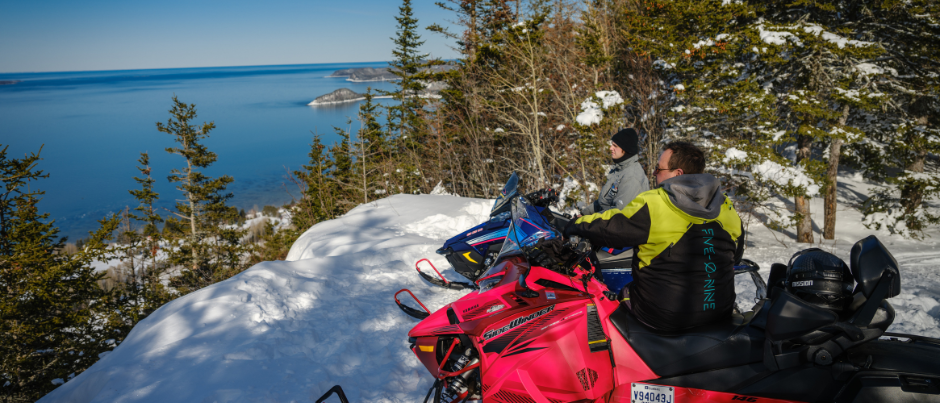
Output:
[[542, 197]]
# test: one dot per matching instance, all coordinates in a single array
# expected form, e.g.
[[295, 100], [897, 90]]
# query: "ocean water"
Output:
[[92, 127]]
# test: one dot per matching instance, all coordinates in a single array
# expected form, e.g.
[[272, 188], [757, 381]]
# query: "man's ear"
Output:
[[679, 171]]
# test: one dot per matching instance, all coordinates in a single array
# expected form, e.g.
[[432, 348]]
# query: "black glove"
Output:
[[567, 231], [542, 198], [551, 254]]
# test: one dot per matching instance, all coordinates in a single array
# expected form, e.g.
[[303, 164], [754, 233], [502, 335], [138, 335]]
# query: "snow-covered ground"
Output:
[[287, 331]]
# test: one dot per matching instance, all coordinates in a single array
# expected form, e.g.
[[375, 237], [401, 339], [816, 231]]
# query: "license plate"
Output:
[[644, 393]]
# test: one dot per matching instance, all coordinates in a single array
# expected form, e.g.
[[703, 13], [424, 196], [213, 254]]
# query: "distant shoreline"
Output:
[[369, 81], [315, 103], [360, 81]]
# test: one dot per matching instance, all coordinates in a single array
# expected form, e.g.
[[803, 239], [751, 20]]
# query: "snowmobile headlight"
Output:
[[488, 283]]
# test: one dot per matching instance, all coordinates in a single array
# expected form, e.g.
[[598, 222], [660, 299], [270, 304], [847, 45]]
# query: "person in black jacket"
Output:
[[686, 237]]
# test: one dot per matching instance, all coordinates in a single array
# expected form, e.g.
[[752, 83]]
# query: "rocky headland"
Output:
[[340, 96], [364, 74], [343, 95]]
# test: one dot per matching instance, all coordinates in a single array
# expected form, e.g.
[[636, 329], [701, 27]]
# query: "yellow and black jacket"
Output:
[[686, 237]]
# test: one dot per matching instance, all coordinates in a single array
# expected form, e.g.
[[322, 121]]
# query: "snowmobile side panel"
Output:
[[555, 336], [894, 355], [425, 348], [721, 380], [477, 308], [628, 366], [435, 324], [889, 387], [807, 382], [468, 251]]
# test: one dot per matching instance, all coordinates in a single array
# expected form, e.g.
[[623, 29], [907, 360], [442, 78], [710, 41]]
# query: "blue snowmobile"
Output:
[[473, 251]]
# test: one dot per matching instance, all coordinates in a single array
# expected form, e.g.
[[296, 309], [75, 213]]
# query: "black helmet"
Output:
[[820, 278]]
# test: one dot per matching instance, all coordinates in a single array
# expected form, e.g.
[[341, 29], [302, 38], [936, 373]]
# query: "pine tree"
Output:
[[147, 244], [405, 118], [371, 148], [317, 201], [410, 66], [906, 128], [50, 320], [766, 77], [209, 250], [344, 173]]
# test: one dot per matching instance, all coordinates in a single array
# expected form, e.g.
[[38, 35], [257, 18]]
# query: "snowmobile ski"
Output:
[[409, 310]]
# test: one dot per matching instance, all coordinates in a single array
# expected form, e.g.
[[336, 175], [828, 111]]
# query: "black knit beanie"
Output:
[[628, 141]]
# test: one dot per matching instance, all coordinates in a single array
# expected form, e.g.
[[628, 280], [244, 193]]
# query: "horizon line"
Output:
[[191, 67]]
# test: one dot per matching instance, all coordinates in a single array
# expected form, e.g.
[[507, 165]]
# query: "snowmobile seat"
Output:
[[714, 346]]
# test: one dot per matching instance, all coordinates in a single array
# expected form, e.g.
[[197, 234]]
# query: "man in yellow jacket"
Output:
[[686, 237]]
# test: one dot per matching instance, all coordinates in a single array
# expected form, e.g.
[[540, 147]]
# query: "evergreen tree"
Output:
[[906, 128], [51, 322], [274, 244], [371, 148], [495, 18], [773, 84], [317, 201], [405, 120], [147, 239], [410, 66], [344, 174], [209, 249]]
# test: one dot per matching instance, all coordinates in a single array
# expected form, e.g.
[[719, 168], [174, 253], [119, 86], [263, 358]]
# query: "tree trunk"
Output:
[[804, 225], [192, 216], [832, 179], [829, 229]]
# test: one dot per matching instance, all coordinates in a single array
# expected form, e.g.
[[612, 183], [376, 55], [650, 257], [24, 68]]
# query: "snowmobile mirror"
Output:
[[791, 317], [778, 273], [525, 292], [870, 261]]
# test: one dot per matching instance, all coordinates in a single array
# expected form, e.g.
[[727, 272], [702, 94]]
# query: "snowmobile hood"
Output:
[[695, 194]]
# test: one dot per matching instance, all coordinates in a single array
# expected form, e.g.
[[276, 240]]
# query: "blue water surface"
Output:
[[92, 127]]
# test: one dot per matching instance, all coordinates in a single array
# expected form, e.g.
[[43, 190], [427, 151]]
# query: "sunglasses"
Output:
[[657, 170]]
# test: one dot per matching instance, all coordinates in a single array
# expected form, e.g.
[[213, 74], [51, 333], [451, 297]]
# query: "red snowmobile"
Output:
[[534, 335]]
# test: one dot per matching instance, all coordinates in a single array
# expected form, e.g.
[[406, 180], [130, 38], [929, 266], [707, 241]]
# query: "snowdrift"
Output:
[[287, 331]]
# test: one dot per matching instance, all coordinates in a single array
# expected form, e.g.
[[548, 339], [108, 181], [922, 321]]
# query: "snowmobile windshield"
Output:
[[505, 196], [526, 229]]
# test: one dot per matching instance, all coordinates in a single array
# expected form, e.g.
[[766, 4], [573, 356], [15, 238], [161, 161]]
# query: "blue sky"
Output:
[[60, 35]]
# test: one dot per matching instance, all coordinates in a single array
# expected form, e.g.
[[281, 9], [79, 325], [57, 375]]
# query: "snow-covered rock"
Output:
[[340, 96]]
